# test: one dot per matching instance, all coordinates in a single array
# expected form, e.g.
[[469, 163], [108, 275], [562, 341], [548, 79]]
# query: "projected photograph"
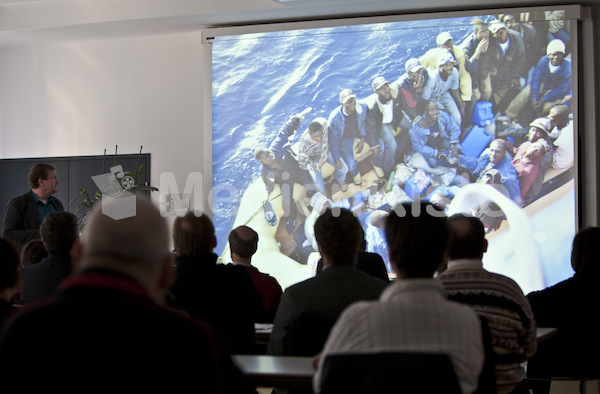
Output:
[[474, 114]]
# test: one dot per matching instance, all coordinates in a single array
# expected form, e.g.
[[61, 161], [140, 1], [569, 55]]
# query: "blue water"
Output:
[[260, 80]]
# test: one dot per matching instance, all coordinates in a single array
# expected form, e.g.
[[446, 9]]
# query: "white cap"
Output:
[[554, 46], [442, 38]]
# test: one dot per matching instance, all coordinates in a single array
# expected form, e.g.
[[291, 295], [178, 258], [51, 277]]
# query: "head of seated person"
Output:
[[9, 271], [417, 234], [339, 236], [585, 252], [136, 247], [59, 232], [193, 235], [33, 252]]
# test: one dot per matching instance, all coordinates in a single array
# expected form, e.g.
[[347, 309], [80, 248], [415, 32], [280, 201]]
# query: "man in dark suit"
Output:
[[222, 295], [107, 327], [308, 309], [60, 235], [25, 213]]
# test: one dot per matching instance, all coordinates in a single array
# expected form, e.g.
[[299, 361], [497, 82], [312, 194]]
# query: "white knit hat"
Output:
[[555, 46]]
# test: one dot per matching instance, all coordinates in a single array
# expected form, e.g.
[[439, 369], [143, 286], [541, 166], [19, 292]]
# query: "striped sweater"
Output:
[[500, 300]]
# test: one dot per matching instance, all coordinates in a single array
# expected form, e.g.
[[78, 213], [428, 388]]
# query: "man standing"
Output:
[[413, 314], [383, 118], [496, 297], [25, 213], [108, 328], [443, 86], [279, 166], [507, 62], [308, 309], [347, 123], [60, 235], [243, 242], [476, 47], [433, 135], [313, 153]]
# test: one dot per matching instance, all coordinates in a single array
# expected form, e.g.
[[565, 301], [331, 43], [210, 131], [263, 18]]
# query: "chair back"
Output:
[[389, 373]]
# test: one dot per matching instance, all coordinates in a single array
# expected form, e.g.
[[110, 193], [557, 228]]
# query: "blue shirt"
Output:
[[43, 209]]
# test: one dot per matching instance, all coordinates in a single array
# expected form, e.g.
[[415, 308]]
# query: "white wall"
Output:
[[78, 98]]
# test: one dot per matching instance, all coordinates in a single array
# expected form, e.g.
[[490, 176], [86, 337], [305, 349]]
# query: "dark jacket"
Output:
[[104, 332], [42, 279], [222, 295], [22, 221], [309, 309], [375, 115], [368, 262], [510, 65]]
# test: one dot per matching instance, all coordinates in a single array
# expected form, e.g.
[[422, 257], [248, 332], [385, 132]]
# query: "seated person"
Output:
[[313, 153], [574, 350], [308, 309], [243, 242], [494, 157], [33, 252], [9, 278], [495, 297], [527, 163], [60, 235], [549, 85], [443, 86], [108, 329], [223, 295], [413, 313], [433, 134]]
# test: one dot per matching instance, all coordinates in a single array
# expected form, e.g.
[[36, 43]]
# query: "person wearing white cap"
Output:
[[550, 83], [411, 85], [443, 86], [347, 123], [383, 118], [444, 41], [507, 61]]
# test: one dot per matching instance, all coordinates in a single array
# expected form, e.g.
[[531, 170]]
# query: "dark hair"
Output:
[[417, 235], [33, 251], [338, 234], [314, 126], [39, 170], [59, 231], [468, 242], [9, 264], [243, 247], [193, 234], [586, 249]]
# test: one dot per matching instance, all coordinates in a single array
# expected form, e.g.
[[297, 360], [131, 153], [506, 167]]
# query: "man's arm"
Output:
[[14, 227]]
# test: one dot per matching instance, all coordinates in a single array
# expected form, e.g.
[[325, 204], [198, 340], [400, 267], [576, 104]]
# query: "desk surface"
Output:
[[545, 333], [277, 371]]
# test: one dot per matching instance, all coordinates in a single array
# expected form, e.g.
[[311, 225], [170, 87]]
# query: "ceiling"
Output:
[[41, 21]]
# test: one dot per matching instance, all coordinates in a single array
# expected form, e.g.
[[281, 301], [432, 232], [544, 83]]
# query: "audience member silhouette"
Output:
[[243, 242], [569, 306], [9, 277], [222, 295], [308, 309], [60, 235], [495, 297], [107, 329], [33, 252], [413, 314]]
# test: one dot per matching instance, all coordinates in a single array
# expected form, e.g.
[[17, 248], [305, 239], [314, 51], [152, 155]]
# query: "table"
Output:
[[544, 333], [284, 372]]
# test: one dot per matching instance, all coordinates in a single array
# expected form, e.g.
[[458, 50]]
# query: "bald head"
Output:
[[136, 246], [559, 116], [468, 238], [243, 242]]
